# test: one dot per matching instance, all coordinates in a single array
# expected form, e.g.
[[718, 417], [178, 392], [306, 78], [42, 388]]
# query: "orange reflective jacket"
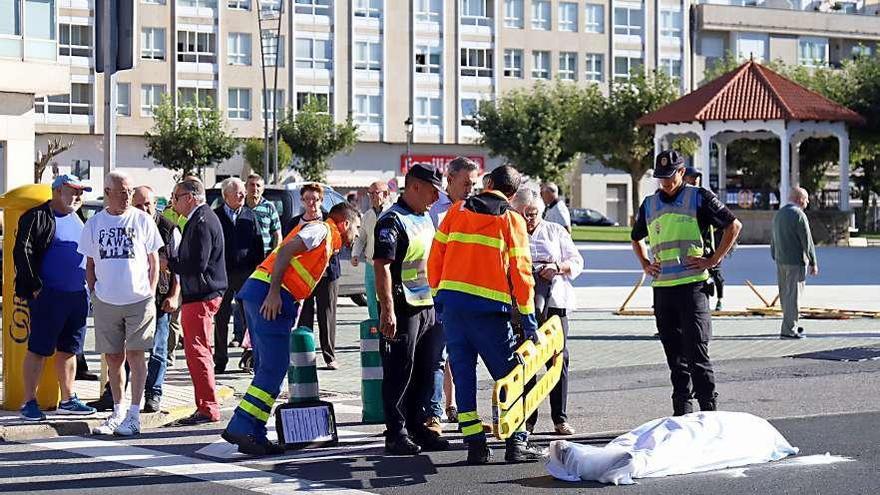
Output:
[[484, 255], [305, 269]]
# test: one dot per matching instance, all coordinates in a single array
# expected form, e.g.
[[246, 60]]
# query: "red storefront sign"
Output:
[[438, 161]]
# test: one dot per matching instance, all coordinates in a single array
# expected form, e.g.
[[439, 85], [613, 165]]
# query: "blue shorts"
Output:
[[58, 322]]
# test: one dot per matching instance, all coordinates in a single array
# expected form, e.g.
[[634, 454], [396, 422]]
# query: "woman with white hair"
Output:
[[556, 262]]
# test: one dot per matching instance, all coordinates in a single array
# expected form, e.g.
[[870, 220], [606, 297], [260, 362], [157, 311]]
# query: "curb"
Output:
[[83, 428]]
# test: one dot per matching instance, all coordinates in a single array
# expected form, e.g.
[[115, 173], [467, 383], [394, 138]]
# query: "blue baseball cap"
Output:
[[70, 180], [692, 172]]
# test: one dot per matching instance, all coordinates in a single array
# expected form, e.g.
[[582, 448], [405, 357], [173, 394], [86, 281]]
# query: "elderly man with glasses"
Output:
[[380, 200]]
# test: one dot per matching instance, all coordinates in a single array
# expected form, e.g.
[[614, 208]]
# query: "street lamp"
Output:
[[408, 124]]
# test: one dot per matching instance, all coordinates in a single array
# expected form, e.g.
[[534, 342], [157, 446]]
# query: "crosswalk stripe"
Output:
[[227, 474]]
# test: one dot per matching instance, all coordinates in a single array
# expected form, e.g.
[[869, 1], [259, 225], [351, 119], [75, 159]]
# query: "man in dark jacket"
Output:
[[200, 263], [244, 251]]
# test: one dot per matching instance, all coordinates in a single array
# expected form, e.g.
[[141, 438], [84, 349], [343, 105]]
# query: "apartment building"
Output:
[[411, 73]]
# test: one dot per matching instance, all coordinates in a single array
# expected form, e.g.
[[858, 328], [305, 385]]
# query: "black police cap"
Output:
[[668, 161], [427, 173]]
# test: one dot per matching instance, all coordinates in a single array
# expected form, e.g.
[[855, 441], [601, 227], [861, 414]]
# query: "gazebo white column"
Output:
[[796, 162], [704, 157], [843, 142], [722, 169], [784, 166]]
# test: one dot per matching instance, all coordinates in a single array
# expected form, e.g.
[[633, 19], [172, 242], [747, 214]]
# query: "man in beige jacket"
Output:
[[362, 251]]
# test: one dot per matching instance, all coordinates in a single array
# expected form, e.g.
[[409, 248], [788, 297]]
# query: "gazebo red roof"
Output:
[[751, 92]]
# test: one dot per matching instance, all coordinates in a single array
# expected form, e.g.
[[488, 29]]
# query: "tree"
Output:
[[535, 129], [607, 131], [253, 154], [314, 138], [189, 138], [54, 148]]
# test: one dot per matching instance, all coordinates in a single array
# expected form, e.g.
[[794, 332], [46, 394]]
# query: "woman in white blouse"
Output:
[[556, 262]]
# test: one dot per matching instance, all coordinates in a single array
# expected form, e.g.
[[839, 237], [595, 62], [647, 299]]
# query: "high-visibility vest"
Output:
[[306, 269], [675, 235], [483, 255], [414, 266]]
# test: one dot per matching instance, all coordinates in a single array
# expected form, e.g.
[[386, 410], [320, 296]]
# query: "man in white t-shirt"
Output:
[[557, 211], [122, 245]]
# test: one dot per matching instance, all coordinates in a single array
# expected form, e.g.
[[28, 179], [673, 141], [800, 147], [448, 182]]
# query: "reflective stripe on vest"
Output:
[[305, 269], [674, 235], [414, 266]]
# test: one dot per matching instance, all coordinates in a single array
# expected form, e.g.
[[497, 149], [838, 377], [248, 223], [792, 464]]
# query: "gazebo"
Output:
[[754, 102]]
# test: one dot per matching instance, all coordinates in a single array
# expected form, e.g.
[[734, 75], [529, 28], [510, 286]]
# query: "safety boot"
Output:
[[680, 407], [710, 404], [521, 451], [478, 452]]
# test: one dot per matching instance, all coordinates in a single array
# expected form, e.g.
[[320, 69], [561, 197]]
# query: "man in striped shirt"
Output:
[[267, 216]]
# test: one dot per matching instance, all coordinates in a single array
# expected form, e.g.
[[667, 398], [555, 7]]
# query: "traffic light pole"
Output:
[[110, 97]]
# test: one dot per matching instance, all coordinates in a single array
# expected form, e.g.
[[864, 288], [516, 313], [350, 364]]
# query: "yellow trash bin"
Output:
[[16, 316]]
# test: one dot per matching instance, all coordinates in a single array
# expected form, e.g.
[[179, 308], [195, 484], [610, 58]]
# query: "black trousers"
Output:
[[221, 320], [685, 327], [716, 275], [324, 297], [407, 366], [559, 394]]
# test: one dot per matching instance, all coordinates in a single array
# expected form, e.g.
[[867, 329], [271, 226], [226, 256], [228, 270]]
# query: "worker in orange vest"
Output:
[[479, 258], [271, 306]]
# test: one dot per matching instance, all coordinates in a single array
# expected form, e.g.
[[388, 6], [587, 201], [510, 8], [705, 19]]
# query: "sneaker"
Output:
[[401, 446], [196, 418], [235, 343], [718, 305], [478, 453], [75, 406], [430, 441], [251, 445], [794, 336], [452, 414], [522, 451], [433, 424], [333, 365], [108, 426], [129, 427], [30, 411], [151, 405], [103, 404], [564, 429]]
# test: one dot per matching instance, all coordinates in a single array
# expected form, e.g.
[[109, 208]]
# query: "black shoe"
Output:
[[430, 441], [401, 446], [86, 377], [682, 407], [709, 405], [103, 404], [196, 418], [250, 445], [521, 451], [151, 405], [793, 336], [478, 453]]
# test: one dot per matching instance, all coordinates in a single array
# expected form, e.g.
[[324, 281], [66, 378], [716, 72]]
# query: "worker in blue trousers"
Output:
[[271, 304]]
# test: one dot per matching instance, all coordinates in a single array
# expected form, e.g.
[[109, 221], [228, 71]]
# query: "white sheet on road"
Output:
[[692, 443]]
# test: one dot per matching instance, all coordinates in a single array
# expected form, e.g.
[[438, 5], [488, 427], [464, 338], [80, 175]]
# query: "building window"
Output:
[[312, 7], [476, 62], [151, 97], [469, 108], [541, 15], [123, 99], [513, 14], [513, 63], [473, 12], [367, 55], [594, 18], [313, 54], [205, 4], [540, 65], [428, 59], [10, 18], [861, 50], [568, 16], [39, 20], [628, 21], [568, 66], [368, 8], [322, 100], [196, 47], [239, 4], [273, 51], [429, 111], [594, 66], [273, 104], [238, 104], [623, 66], [368, 109], [75, 40], [78, 102], [201, 98], [270, 5], [154, 2], [238, 49], [813, 52], [752, 45], [81, 169], [672, 68], [429, 10], [153, 43], [670, 25]]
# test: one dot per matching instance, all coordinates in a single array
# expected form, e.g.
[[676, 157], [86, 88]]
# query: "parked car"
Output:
[[588, 216], [287, 201]]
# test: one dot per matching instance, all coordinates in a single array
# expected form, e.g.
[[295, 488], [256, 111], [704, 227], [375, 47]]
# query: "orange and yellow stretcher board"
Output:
[[511, 405]]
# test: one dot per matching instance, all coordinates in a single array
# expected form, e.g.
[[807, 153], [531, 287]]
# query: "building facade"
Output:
[[411, 73]]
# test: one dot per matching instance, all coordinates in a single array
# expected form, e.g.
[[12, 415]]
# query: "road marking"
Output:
[[227, 474], [349, 440]]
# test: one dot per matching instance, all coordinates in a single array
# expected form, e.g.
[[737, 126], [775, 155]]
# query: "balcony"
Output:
[[774, 17]]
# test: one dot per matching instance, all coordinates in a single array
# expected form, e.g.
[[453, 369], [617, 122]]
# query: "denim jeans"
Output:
[[238, 326], [158, 362]]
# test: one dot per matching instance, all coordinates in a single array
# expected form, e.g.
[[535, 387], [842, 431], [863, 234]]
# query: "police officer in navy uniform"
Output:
[[411, 343], [672, 219]]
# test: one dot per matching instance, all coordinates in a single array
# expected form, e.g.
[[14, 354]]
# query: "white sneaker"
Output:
[[109, 425], [129, 427]]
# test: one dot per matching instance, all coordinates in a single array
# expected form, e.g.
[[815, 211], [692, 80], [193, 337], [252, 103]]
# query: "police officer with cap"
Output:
[[672, 219], [410, 342], [711, 238]]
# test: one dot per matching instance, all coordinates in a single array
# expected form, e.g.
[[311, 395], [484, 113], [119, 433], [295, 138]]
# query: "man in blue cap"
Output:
[[672, 219], [51, 276], [711, 238]]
